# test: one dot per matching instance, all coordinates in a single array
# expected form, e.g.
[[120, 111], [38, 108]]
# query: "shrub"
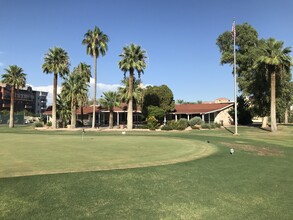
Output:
[[218, 125], [167, 127], [172, 124], [182, 124], [195, 121], [196, 127], [49, 123], [205, 126], [38, 124], [152, 123]]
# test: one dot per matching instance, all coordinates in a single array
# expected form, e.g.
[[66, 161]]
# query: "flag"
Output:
[[233, 31]]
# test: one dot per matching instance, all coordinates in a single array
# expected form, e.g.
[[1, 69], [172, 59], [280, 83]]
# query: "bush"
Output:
[[218, 125], [38, 124], [196, 127], [182, 124], [166, 128], [205, 126], [172, 124], [49, 123], [152, 123], [210, 125], [195, 121]]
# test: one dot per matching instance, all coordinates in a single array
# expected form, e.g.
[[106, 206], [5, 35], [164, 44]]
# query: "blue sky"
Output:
[[178, 35]]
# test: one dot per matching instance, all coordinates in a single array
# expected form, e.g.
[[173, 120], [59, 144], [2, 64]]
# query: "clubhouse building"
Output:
[[216, 111]]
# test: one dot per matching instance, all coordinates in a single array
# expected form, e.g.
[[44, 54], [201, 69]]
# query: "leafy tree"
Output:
[[74, 85], [156, 111], [160, 96], [56, 61], [96, 44], [277, 61], [244, 113], [16, 78], [180, 101], [110, 100], [133, 59]]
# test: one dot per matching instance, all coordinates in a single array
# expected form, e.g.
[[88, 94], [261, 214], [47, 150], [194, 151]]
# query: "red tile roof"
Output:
[[200, 108], [179, 109]]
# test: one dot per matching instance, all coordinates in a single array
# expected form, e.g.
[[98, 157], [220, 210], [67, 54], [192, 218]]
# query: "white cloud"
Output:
[[101, 87]]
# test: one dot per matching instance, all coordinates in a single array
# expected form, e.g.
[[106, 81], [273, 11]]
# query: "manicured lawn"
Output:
[[254, 183]]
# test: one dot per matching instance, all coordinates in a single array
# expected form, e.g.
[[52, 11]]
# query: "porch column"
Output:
[[175, 117], [117, 118], [188, 117], [165, 120], [99, 118], [202, 117], [209, 118]]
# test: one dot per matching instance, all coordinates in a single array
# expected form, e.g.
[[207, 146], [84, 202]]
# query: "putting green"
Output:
[[31, 154]]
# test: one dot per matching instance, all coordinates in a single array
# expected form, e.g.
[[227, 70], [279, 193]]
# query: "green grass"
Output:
[[31, 154], [254, 183]]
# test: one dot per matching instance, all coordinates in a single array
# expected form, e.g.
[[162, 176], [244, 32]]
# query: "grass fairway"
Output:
[[254, 183]]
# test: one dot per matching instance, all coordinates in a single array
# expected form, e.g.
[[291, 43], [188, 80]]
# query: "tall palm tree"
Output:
[[277, 61], [82, 98], [96, 43], [133, 59], [110, 100], [16, 78], [56, 61], [71, 88], [123, 91]]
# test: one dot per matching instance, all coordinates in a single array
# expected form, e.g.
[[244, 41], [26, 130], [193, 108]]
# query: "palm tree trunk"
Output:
[[95, 92], [273, 102], [54, 101], [73, 113], [11, 117], [81, 112], [111, 119], [130, 103]]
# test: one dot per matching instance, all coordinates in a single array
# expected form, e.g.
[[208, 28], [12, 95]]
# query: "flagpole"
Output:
[[235, 80]]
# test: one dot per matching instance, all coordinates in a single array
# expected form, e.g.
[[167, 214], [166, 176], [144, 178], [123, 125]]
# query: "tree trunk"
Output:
[[54, 101], [265, 121], [286, 116], [111, 119], [130, 103], [273, 102], [95, 92], [81, 112], [73, 113], [11, 117]]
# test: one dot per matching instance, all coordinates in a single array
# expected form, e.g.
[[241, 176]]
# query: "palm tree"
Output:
[[82, 98], [63, 109], [84, 70], [123, 91], [56, 61], [276, 61], [71, 88], [110, 100], [133, 59], [96, 44], [16, 78]]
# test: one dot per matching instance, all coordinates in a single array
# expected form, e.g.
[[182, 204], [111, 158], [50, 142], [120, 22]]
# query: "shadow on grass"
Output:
[[227, 129]]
